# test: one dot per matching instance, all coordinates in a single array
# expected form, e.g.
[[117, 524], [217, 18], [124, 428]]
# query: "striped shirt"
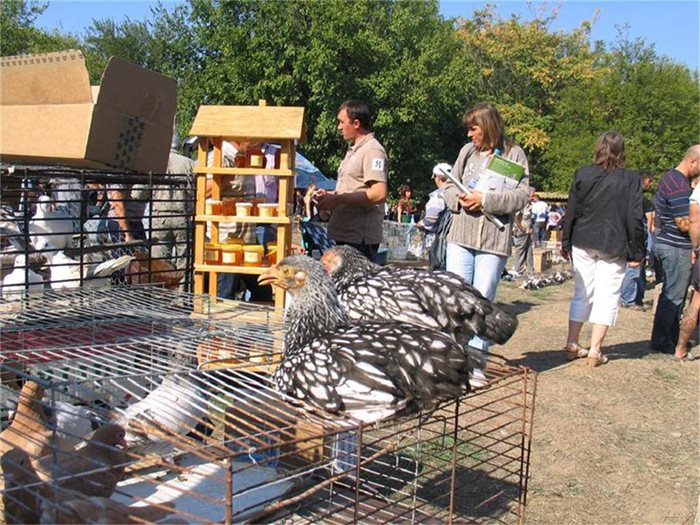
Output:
[[672, 200]]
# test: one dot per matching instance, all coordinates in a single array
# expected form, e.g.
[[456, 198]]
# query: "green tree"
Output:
[[523, 68], [18, 34], [129, 40], [399, 56], [651, 100]]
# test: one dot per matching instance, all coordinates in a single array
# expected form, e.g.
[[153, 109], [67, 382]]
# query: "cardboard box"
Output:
[[542, 260], [555, 236], [48, 114]]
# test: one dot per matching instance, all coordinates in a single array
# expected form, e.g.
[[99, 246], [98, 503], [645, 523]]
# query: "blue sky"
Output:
[[672, 26]]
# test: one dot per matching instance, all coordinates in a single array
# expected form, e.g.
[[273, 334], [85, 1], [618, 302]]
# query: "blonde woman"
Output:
[[477, 250]]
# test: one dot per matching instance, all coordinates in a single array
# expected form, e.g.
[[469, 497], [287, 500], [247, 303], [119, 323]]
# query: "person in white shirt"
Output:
[[540, 211]]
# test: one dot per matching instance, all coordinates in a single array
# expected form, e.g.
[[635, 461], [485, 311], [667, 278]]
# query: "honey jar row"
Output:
[[236, 254], [231, 206]]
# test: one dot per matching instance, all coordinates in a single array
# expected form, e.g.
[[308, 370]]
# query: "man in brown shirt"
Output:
[[357, 204]]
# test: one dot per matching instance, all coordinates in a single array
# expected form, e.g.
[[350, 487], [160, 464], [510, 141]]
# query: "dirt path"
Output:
[[612, 445]]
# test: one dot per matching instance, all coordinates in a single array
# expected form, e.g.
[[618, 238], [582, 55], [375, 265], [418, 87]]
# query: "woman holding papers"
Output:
[[603, 232], [479, 240]]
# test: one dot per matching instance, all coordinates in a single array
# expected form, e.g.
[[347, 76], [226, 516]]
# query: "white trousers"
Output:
[[597, 284]]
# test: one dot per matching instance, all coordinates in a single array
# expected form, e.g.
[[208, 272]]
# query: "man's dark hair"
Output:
[[358, 110]]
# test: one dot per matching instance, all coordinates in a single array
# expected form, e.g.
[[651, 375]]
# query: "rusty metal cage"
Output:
[[94, 216], [248, 452]]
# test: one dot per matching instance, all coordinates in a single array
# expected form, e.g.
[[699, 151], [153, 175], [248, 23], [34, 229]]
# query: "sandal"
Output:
[[687, 357], [596, 359], [575, 351]]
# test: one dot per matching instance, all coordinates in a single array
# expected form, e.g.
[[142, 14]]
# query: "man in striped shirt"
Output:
[[673, 248]]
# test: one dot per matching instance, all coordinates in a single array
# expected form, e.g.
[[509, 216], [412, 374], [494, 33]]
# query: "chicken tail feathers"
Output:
[[500, 326]]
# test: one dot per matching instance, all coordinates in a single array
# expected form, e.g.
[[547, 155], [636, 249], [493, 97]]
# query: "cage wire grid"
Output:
[[158, 208], [252, 453]]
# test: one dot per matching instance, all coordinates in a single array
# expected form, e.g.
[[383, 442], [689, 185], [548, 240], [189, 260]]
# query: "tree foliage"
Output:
[[18, 34], [556, 90], [652, 101], [523, 69], [399, 56]]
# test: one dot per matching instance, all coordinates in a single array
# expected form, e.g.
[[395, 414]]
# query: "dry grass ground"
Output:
[[616, 444]]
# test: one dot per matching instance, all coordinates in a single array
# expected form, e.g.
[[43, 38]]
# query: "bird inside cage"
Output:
[[145, 269]]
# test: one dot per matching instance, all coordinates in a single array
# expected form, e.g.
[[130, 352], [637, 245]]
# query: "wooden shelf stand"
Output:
[[283, 126]]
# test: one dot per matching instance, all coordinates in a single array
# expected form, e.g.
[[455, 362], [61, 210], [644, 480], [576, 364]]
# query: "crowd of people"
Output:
[[612, 234], [615, 235]]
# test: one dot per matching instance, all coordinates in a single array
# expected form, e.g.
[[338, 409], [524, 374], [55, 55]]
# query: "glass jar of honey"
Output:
[[244, 209], [252, 255], [271, 253], [212, 207], [228, 206], [231, 254], [267, 209], [212, 253], [254, 158]]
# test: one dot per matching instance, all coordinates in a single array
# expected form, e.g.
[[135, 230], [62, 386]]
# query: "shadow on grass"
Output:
[[517, 307], [542, 360]]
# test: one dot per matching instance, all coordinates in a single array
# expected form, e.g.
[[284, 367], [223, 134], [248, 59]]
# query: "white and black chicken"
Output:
[[433, 299], [371, 370]]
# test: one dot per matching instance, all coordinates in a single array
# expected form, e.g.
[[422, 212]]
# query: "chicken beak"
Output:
[[271, 276]]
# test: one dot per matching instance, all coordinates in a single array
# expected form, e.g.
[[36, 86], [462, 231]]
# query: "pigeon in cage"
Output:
[[50, 225], [73, 423], [21, 279], [66, 272], [166, 415], [10, 230], [146, 269], [22, 491], [369, 370], [93, 470], [29, 430], [26, 499], [433, 299]]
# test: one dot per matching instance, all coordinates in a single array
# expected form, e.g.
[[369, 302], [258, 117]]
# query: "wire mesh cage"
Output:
[[208, 436], [65, 222]]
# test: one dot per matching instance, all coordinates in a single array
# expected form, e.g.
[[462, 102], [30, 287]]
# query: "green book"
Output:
[[500, 175]]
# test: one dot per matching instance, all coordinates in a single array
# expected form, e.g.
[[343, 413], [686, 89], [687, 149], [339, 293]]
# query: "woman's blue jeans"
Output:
[[480, 269]]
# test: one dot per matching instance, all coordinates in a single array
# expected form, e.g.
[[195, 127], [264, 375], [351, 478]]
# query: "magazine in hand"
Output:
[[500, 175]]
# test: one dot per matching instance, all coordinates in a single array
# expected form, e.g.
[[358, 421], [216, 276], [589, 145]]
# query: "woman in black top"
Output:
[[603, 231]]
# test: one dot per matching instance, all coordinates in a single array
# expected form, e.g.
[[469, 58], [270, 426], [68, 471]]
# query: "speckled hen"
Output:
[[370, 370], [438, 300]]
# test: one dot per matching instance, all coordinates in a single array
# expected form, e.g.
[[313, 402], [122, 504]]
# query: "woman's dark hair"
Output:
[[405, 188], [489, 120], [609, 151], [358, 110]]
